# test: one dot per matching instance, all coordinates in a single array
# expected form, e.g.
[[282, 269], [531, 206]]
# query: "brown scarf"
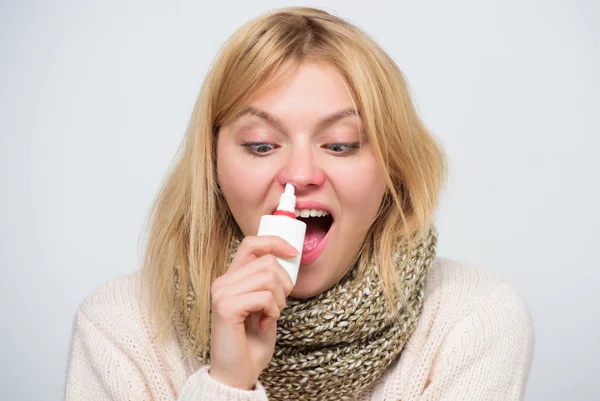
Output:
[[337, 344]]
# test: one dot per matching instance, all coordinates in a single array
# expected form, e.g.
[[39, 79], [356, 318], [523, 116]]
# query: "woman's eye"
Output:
[[259, 148], [342, 148]]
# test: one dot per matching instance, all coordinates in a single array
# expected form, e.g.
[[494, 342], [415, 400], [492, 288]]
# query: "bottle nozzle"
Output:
[[287, 202], [289, 189]]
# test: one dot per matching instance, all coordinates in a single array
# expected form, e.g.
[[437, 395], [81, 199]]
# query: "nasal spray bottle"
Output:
[[283, 223]]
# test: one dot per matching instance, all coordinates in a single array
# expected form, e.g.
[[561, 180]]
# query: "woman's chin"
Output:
[[306, 287], [314, 278]]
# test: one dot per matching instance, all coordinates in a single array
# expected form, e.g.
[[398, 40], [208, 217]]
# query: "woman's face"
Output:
[[304, 131]]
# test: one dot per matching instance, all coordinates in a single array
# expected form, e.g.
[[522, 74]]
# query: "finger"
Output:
[[265, 322], [253, 247], [265, 279], [259, 266], [265, 273], [235, 309]]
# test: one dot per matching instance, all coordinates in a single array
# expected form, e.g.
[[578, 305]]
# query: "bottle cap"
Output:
[[287, 201]]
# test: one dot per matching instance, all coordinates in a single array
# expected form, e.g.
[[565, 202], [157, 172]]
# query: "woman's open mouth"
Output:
[[318, 227]]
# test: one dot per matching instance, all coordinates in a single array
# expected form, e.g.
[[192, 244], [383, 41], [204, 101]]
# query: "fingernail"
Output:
[[292, 250]]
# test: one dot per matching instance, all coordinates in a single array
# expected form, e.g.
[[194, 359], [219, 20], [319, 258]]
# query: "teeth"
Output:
[[310, 213]]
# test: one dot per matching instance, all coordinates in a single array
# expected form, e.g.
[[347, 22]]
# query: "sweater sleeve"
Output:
[[102, 369], [201, 386], [488, 353]]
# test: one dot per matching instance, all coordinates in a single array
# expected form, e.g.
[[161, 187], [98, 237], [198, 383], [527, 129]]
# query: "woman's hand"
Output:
[[246, 302]]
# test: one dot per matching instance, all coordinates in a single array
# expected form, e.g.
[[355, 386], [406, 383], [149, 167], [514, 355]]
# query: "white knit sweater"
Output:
[[473, 341]]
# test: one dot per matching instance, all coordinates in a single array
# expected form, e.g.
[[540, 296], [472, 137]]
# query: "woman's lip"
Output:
[[310, 257]]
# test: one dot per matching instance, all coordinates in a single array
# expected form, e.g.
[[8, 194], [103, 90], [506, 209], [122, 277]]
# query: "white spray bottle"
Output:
[[283, 223]]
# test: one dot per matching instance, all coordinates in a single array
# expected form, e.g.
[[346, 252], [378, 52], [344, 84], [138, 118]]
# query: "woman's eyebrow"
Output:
[[327, 120]]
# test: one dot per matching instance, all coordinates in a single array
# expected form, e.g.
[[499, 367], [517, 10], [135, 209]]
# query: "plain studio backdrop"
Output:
[[96, 95]]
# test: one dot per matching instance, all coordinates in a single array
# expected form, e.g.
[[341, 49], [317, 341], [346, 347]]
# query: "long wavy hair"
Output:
[[190, 226]]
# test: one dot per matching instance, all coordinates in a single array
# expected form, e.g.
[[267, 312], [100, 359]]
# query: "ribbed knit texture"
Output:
[[335, 345], [473, 341]]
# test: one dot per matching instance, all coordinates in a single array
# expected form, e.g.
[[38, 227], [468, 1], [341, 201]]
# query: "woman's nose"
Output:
[[301, 170]]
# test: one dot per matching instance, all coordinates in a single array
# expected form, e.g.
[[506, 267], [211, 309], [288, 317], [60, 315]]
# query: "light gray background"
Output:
[[95, 97]]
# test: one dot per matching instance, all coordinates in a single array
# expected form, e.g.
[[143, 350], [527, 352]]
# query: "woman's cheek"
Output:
[[251, 178], [363, 185]]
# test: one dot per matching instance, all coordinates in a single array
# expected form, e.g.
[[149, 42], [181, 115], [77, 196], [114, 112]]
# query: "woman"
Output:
[[300, 96]]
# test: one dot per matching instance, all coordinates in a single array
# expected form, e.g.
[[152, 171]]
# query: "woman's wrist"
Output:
[[224, 380]]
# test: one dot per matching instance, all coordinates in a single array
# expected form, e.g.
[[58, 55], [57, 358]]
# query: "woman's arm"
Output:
[[105, 369], [488, 353], [201, 386], [99, 369]]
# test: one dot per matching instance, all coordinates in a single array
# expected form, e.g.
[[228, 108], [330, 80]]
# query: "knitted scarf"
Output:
[[336, 344]]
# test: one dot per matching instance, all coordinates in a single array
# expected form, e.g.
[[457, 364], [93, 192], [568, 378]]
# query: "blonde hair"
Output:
[[190, 225]]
